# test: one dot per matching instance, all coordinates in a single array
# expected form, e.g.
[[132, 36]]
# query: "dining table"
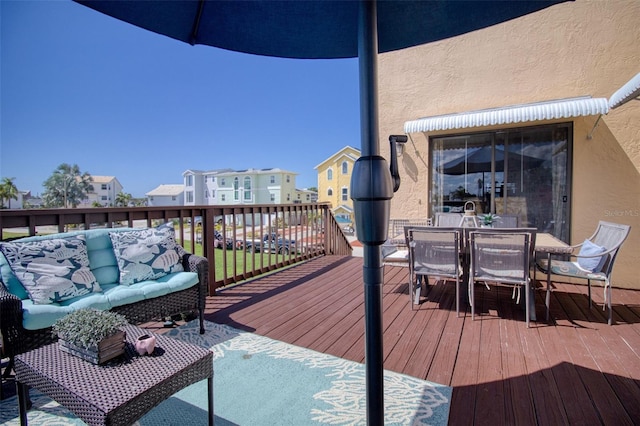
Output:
[[546, 245]]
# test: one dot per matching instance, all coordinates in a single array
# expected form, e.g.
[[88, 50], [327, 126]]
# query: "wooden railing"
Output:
[[232, 238]]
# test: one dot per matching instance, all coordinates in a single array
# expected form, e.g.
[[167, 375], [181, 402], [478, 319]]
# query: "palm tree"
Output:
[[67, 186], [8, 191], [123, 199]]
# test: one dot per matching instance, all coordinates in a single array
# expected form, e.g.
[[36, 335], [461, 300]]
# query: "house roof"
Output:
[[343, 152], [166, 190], [256, 172]]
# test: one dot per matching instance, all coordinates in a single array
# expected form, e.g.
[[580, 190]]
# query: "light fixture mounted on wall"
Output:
[[396, 143]]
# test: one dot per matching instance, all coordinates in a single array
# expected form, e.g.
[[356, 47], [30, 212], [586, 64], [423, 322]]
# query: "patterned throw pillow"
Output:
[[146, 254], [52, 270]]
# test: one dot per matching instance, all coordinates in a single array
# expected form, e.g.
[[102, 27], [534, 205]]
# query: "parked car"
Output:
[[273, 243], [219, 242]]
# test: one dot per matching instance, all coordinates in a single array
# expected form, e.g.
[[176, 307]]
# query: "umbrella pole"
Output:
[[371, 192]]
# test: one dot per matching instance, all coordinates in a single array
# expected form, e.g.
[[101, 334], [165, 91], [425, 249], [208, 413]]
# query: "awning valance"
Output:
[[630, 90], [550, 110]]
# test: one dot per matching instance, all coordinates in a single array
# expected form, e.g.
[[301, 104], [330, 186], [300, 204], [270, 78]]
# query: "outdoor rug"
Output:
[[260, 381]]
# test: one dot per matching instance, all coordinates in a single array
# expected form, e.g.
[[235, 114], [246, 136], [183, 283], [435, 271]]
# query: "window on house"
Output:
[[288, 197], [247, 188], [189, 196], [330, 192], [345, 194], [523, 172], [173, 198], [329, 174], [103, 187], [273, 197], [223, 197], [345, 168], [206, 193], [103, 198], [236, 187], [222, 182], [288, 178], [272, 179], [189, 179]]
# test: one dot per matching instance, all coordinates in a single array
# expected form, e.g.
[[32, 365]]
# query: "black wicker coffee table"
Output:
[[120, 391]]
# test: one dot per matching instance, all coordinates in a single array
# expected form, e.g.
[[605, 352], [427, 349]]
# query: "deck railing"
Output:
[[232, 238]]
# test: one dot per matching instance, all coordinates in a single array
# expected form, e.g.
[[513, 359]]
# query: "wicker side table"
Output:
[[118, 392]]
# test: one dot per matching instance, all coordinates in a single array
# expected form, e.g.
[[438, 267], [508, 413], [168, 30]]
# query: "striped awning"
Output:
[[630, 90], [550, 110]]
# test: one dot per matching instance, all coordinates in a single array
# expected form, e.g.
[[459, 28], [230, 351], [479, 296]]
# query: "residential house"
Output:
[[229, 187], [516, 118], [305, 196], [105, 190], [334, 182], [166, 195]]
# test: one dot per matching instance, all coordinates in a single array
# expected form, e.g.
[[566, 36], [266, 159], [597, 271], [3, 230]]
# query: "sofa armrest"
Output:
[[198, 264], [10, 320]]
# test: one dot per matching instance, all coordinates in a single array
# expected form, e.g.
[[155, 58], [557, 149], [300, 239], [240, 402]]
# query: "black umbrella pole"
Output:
[[373, 272]]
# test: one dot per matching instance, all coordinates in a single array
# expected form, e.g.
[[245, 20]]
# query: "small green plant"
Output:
[[87, 327], [489, 218]]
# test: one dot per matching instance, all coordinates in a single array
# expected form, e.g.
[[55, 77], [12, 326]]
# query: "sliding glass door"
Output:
[[521, 173]]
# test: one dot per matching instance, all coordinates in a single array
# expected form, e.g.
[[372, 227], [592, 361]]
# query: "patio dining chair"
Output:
[[433, 252], [448, 219], [501, 256], [594, 261]]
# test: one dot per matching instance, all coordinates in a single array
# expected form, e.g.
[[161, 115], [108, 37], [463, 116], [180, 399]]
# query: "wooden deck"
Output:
[[578, 370]]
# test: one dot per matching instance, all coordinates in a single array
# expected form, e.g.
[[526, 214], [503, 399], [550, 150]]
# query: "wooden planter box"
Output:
[[108, 348]]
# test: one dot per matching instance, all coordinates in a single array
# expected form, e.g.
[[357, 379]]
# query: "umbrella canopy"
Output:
[[332, 29], [310, 29], [479, 161]]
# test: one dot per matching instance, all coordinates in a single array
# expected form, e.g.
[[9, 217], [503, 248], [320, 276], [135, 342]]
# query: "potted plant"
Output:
[[91, 334], [488, 219]]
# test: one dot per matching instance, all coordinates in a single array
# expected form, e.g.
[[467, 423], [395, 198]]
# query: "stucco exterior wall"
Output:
[[572, 49]]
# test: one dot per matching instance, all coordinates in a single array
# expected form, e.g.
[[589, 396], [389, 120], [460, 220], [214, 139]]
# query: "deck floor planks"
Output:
[[594, 386], [518, 397]]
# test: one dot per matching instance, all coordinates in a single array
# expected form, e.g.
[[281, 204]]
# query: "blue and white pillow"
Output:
[[52, 270], [146, 254], [591, 264]]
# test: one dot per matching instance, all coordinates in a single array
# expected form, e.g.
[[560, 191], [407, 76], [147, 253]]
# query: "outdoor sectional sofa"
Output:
[[142, 274]]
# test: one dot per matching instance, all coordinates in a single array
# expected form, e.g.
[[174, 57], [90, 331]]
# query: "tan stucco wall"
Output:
[[571, 49]]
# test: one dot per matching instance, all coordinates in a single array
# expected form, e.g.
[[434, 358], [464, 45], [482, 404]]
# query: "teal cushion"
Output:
[[591, 263], [51, 270], [120, 295], [36, 317], [104, 264], [146, 254], [11, 282], [94, 300]]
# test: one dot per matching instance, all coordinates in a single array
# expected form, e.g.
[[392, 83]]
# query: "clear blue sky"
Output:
[[82, 88]]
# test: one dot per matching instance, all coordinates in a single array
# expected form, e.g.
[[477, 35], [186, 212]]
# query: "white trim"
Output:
[[550, 110], [630, 90]]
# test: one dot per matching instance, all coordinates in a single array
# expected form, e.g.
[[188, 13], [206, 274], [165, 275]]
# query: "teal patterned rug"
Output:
[[260, 381]]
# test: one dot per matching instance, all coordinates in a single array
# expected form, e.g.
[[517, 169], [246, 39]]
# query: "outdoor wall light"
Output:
[[396, 143]]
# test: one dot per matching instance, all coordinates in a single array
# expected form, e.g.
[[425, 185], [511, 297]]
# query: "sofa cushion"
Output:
[[146, 254], [119, 295], [51, 270]]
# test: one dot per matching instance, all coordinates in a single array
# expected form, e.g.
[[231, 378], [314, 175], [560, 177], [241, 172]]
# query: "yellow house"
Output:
[[517, 118], [334, 182]]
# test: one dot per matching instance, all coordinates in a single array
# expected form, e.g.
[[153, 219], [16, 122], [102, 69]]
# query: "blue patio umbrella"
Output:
[[331, 29]]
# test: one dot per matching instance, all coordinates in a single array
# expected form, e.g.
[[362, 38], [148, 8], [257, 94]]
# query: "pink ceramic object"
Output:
[[145, 344]]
